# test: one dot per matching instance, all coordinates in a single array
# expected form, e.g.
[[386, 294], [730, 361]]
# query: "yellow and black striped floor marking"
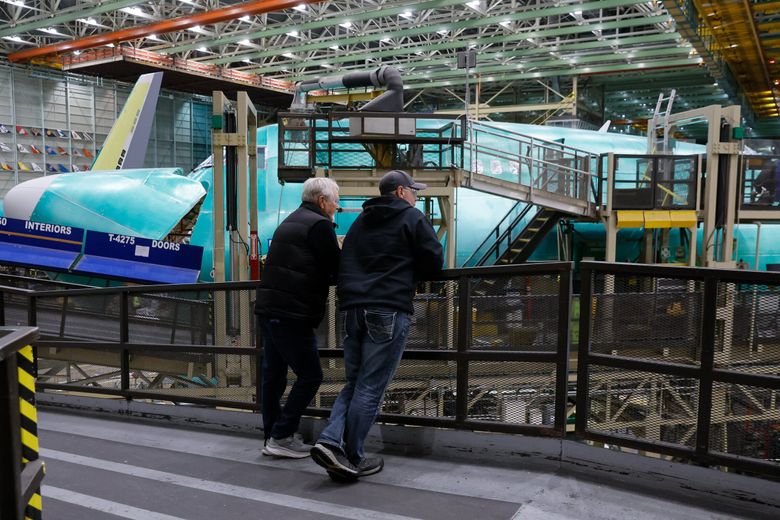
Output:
[[29, 421]]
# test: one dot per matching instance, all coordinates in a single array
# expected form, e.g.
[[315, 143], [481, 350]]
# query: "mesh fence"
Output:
[[746, 421], [15, 309], [229, 377], [515, 313], [435, 319], [423, 388], [511, 313], [94, 317], [183, 318], [651, 407], [512, 392], [661, 319], [85, 367], [748, 330], [433, 324], [647, 317]]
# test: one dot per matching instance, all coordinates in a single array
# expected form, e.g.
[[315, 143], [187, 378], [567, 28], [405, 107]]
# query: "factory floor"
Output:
[[108, 468]]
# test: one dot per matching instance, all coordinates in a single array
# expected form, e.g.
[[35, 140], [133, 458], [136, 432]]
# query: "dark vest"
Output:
[[290, 284]]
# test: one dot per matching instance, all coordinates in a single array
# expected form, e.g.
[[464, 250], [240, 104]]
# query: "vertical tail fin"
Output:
[[125, 146]]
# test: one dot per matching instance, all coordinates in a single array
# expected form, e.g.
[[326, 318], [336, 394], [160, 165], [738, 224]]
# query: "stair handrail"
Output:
[[519, 158], [533, 138], [570, 174], [500, 236]]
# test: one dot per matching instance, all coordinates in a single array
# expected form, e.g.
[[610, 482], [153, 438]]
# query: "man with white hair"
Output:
[[301, 264]]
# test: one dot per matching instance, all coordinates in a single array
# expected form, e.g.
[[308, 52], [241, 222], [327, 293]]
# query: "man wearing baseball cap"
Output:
[[387, 250]]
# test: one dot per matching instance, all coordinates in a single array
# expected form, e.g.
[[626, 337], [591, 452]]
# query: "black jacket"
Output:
[[390, 246], [301, 264]]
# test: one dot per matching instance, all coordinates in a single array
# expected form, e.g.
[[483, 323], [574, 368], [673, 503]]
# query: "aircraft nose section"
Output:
[[20, 201]]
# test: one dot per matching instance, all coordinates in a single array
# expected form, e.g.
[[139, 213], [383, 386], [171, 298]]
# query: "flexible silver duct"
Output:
[[392, 100]]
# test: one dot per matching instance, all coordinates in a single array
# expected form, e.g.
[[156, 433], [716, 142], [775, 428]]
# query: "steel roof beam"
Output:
[[558, 62], [543, 33], [328, 22], [452, 26], [69, 14], [422, 82], [484, 42]]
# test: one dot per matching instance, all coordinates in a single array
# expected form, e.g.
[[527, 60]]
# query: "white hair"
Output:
[[316, 186]]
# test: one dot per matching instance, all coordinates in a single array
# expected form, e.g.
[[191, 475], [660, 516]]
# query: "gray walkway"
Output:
[[106, 469]]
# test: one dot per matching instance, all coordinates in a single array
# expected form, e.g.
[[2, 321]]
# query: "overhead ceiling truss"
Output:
[[517, 41]]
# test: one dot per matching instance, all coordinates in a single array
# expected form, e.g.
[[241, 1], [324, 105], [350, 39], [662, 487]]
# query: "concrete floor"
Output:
[[107, 468]]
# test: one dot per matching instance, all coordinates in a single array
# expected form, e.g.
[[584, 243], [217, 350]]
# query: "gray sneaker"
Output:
[[370, 466], [333, 461], [291, 447]]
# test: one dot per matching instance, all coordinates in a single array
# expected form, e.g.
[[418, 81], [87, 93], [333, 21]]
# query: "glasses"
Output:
[[413, 190]]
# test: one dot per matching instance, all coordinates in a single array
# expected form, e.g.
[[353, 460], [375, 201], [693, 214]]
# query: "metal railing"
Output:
[[503, 234], [546, 167], [21, 471], [683, 362], [487, 350], [650, 181], [367, 140]]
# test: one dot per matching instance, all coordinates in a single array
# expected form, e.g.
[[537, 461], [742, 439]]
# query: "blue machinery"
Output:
[[537, 177]]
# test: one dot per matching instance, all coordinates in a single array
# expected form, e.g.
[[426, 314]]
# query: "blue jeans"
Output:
[[374, 340], [287, 343]]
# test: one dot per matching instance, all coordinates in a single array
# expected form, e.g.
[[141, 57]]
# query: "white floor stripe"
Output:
[[258, 495], [529, 512], [105, 506]]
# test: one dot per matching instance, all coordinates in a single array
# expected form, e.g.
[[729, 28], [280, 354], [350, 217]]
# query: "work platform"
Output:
[[109, 467]]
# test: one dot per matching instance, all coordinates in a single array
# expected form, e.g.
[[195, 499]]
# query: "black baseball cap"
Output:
[[394, 178]]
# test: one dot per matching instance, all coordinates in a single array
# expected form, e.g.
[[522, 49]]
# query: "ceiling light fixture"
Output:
[[135, 11]]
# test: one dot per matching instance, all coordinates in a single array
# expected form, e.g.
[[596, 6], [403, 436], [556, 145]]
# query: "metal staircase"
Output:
[[515, 238], [531, 235]]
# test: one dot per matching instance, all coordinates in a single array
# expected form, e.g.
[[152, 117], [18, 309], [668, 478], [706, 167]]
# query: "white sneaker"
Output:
[[291, 447]]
